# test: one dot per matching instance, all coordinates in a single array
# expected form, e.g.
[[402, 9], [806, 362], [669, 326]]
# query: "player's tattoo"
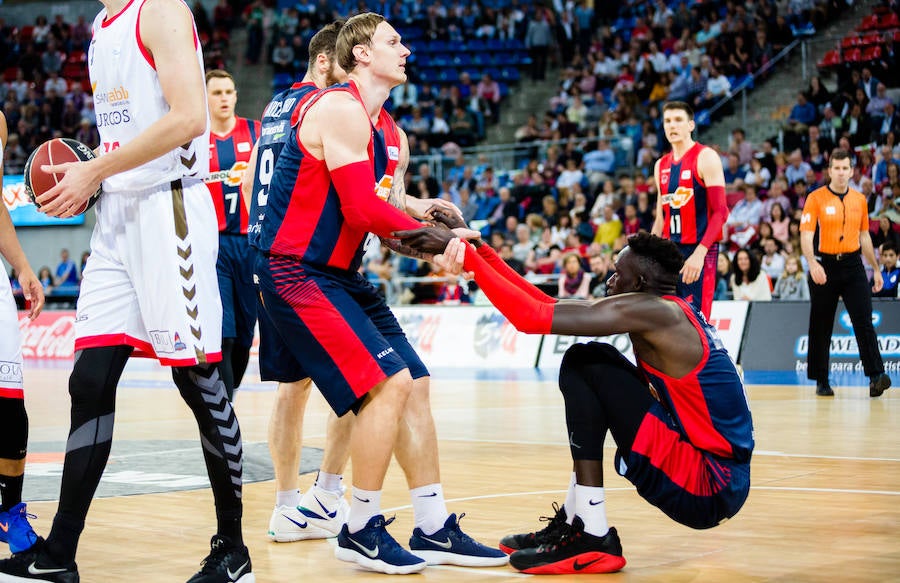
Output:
[[397, 195]]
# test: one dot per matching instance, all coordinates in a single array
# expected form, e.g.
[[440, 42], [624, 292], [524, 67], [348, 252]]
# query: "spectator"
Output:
[[734, 173], [609, 229], [453, 294], [780, 223], [758, 175], [600, 163], [772, 261], [792, 282], [740, 146], [573, 281], [601, 271], [885, 233], [66, 271], [45, 276], [748, 282], [889, 124], [744, 217], [886, 158], [723, 277], [439, 123], [796, 168], [538, 40], [488, 91], [890, 271]]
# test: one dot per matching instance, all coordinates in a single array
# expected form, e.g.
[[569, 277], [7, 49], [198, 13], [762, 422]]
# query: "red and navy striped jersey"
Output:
[[275, 133], [304, 218], [709, 403], [228, 156], [685, 204]]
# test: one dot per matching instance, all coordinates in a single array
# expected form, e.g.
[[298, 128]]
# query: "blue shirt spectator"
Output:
[[66, 271]]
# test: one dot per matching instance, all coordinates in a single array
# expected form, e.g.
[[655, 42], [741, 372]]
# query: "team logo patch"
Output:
[[679, 198], [685, 174], [830, 210], [393, 153], [664, 178], [179, 345], [244, 147], [383, 188]]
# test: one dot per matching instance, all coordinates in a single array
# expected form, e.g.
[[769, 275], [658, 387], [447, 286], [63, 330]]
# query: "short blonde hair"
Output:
[[358, 30]]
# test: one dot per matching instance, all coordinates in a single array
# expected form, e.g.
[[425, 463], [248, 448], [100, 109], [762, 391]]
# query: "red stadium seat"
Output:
[[853, 56], [889, 21], [9, 75], [872, 54], [831, 59], [26, 33], [850, 41], [868, 23]]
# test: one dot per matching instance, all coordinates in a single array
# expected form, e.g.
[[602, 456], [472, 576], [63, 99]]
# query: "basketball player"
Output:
[[691, 208], [14, 527], [231, 140], [680, 419], [150, 287], [322, 510], [332, 319]]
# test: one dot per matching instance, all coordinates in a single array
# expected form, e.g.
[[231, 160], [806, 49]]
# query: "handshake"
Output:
[[440, 241]]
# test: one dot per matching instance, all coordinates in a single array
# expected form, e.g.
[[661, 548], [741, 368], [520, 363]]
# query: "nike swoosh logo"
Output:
[[592, 503], [371, 553], [432, 495], [300, 524], [580, 566], [363, 500], [234, 576], [4, 526], [443, 544], [34, 570], [328, 514]]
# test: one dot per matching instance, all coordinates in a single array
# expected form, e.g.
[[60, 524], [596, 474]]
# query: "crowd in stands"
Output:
[[575, 196], [61, 285]]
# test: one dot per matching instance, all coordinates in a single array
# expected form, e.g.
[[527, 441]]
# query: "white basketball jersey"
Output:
[[128, 99]]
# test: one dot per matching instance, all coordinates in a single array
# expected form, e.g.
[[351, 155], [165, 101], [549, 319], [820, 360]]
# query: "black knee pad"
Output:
[[13, 429]]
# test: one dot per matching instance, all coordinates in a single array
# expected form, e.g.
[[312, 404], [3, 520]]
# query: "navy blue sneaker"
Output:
[[451, 546], [15, 529], [374, 549]]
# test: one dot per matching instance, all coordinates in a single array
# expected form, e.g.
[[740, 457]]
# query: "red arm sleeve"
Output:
[[718, 209], [526, 313], [355, 185], [490, 256]]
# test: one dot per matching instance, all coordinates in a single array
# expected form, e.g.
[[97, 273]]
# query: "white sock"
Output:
[[570, 501], [290, 498], [329, 482], [363, 506], [590, 505], [429, 508]]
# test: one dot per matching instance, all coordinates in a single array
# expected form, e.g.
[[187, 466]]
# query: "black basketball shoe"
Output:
[[34, 565], [555, 528], [226, 563], [573, 553]]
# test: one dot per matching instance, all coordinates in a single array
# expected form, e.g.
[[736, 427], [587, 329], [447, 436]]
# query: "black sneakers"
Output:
[[34, 565], [556, 526], [573, 553], [878, 384], [823, 389], [226, 563]]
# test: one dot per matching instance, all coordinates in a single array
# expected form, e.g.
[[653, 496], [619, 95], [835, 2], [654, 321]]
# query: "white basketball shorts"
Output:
[[10, 346], [150, 281]]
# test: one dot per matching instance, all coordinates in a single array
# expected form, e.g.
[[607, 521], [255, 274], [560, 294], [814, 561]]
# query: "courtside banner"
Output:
[[729, 319], [466, 336], [51, 336], [22, 210], [777, 337]]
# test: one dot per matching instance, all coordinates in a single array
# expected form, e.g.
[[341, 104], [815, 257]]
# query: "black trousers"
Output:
[[844, 279]]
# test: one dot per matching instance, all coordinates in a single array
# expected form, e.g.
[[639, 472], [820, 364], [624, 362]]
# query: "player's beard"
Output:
[[330, 77]]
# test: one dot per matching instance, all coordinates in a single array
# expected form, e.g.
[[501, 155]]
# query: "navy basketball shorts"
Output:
[[690, 486], [276, 363], [234, 268], [337, 326], [701, 292]]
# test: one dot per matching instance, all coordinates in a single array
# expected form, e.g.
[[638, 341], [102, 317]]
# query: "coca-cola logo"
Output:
[[51, 335]]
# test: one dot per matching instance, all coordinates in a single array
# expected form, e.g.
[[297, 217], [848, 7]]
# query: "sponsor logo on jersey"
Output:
[[11, 372], [383, 188], [276, 108], [679, 198], [685, 174], [162, 341], [179, 345], [111, 97], [231, 176], [393, 153]]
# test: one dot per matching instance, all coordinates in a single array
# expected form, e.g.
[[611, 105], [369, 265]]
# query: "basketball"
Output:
[[55, 151]]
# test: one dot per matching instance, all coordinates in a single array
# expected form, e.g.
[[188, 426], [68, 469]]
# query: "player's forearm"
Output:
[[171, 131], [363, 210], [509, 274], [718, 216], [526, 313], [9, 243]]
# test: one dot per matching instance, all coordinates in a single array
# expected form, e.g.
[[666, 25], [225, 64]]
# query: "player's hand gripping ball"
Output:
[[55, 151]]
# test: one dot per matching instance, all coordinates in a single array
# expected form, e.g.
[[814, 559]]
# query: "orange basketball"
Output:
[[55, 151]]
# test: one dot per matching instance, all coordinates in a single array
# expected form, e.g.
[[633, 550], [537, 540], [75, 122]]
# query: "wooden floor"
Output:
[[825, 502]]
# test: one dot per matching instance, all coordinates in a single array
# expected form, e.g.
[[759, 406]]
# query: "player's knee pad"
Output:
[[13, 429]]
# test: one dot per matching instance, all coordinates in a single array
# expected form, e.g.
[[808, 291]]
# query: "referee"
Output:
[[836, 270]]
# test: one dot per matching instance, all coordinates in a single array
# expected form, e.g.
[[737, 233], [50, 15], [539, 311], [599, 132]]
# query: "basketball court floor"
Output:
[[824, 505]]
